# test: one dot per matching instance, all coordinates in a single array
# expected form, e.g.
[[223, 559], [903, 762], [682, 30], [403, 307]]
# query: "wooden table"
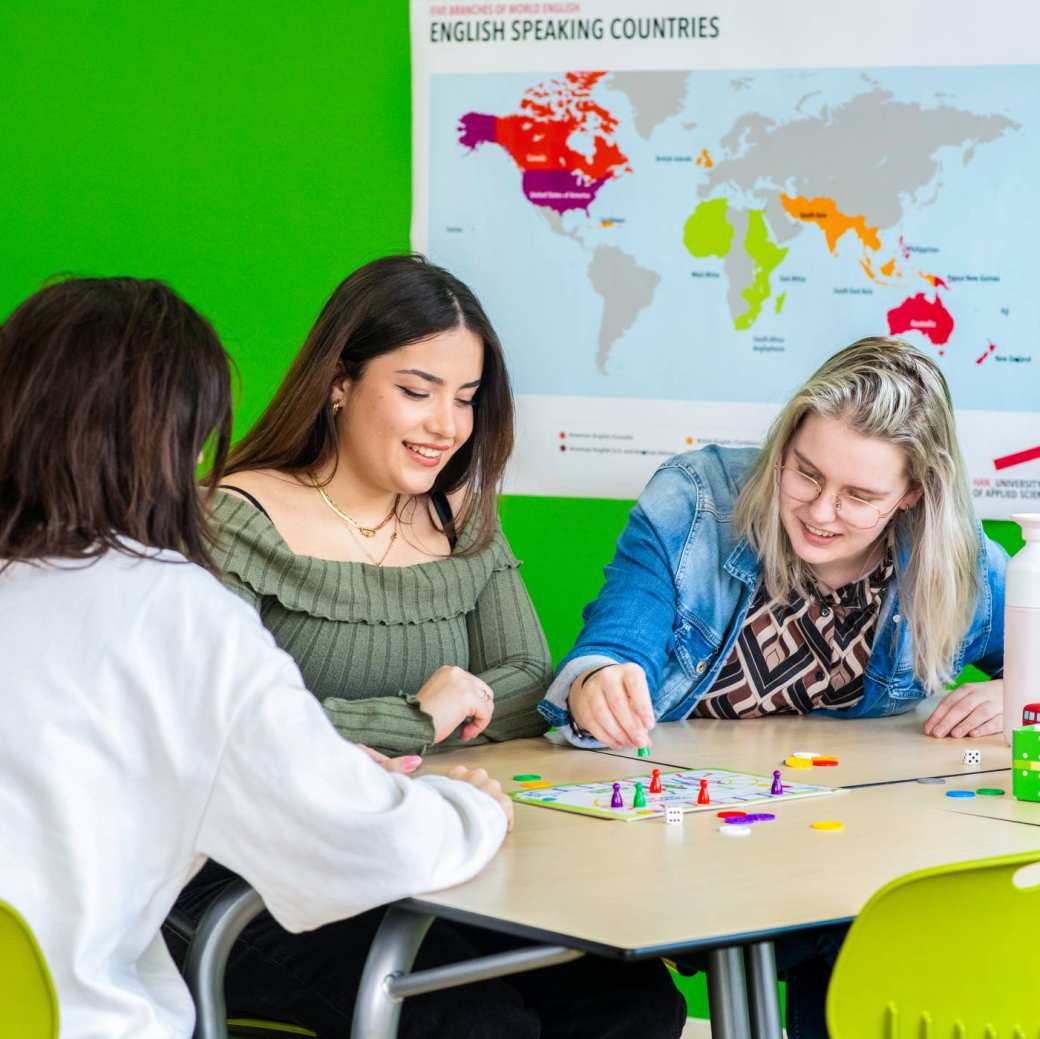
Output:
[[871, 750], [691, 886], [642, 889]]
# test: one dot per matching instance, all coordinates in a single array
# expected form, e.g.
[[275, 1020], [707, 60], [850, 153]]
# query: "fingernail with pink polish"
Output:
[[411, 763]]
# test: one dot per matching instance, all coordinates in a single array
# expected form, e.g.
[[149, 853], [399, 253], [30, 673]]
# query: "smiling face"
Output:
[[844, 464], [410, 411]]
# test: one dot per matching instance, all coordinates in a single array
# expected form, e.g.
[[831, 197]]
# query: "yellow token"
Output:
[[794, 762], [538, 784], [827, 824]]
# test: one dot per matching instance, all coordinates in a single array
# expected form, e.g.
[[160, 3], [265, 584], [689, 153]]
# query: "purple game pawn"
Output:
[[615, 800], [778, 786]]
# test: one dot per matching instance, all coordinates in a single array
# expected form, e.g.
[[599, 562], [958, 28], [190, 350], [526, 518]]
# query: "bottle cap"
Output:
[[1030, 524]]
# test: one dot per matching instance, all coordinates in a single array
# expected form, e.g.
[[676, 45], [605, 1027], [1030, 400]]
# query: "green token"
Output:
[[643, 752], [526, 777], [990, 791]]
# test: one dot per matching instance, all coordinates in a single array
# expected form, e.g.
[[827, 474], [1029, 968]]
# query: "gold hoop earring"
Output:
[[337, 408]]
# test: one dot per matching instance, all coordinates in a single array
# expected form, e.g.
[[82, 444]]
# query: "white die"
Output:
[[673, 815], [973, 757]]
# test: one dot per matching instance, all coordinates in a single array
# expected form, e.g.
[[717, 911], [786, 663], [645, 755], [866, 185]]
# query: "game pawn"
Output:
[[702, 794], [639, 798], [778, 785], [655, 782], [615, 798]]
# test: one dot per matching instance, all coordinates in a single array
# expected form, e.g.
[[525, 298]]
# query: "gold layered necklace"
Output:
[[360, 531], [365, 532]]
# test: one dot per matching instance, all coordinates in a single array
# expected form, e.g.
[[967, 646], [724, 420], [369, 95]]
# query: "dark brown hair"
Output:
[[109, 389], [386, 304]]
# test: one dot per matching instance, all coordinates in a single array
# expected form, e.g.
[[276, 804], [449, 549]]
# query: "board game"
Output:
[[726, 789]]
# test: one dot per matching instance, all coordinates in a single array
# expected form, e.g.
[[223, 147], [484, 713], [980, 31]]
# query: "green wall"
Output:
[[251, 155]]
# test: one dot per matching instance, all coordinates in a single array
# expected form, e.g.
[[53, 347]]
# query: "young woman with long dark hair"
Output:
[[139, 694], [360, 519]]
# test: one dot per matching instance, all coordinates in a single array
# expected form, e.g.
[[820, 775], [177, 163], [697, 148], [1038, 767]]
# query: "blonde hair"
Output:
[[885, 389]]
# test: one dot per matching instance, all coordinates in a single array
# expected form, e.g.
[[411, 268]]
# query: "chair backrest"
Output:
[[28, 1002], [945, 953]]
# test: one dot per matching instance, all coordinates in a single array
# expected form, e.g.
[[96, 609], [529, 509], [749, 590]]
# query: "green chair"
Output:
[[28, 1002], [945, 953]]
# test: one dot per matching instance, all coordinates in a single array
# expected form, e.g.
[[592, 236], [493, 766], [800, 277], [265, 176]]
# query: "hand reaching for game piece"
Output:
[[451, 696], [973, 709], [613, 704], [492, 787]]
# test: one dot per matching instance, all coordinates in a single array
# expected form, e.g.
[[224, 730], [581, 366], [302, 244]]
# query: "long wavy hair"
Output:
[[109, 390], [384, 305], [885, 389]]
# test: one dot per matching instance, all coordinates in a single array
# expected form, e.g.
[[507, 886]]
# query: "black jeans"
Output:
[[311, 979]]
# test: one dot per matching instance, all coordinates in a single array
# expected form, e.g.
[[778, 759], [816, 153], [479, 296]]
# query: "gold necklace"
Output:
[[389, 545], [365, 532]]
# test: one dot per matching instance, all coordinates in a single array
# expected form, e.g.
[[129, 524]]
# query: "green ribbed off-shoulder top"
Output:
[[366, 638]]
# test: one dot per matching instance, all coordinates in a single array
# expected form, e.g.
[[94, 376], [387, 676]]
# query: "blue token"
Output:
[[960, 793]]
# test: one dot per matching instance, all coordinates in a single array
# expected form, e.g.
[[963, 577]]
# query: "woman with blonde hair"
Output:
[[839, 569]]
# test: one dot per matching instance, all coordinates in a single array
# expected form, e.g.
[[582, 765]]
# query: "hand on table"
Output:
[[451, 696], [973, 709], [614, 705], [492, 787], [406, 764]]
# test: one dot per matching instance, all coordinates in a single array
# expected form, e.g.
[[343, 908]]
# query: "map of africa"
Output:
[[714, 235]]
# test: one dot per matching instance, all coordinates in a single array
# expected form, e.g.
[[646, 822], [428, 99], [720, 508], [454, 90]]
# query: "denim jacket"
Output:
[[681, 582]]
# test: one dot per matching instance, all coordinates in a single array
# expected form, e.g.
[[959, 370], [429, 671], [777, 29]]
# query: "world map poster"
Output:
[[673, 216]]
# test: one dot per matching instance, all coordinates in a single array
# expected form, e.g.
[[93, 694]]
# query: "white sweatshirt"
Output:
[[147, 722]]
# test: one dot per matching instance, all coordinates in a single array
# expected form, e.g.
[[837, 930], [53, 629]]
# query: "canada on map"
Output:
[[561, 140], [644, 226]]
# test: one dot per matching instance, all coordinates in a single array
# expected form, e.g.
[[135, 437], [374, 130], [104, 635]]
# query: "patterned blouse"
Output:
[[797, 656]]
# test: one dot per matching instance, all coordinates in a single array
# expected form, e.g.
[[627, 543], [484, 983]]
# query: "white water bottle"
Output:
[[1022, 625]]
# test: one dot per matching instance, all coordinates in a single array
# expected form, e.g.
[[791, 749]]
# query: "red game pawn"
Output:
[[702, 794], [655, 781]]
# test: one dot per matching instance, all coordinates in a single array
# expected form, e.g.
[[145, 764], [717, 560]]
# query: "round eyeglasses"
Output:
[[804, 488]]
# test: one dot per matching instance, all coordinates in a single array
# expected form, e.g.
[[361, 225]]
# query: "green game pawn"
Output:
[[639, 800]]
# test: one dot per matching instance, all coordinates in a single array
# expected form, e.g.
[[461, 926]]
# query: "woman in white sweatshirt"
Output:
[[148, 720]]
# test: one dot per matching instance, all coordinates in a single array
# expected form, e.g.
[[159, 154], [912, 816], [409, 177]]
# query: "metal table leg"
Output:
[[223, 921], [727, 994], [763, 1000], [385, 983], [393, 951]]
